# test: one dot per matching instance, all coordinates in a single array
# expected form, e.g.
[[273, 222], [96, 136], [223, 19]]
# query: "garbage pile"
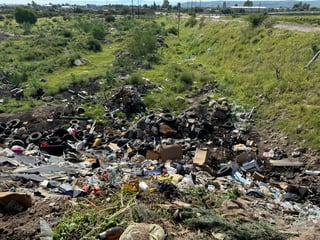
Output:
[[211, 146]]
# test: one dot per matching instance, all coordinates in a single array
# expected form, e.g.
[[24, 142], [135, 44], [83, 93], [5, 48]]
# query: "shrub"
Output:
[[94, 45], [202, 22], [26, 28], [191, 22], [66, 33], [186, 78], [135, 79], [98, 32], [2, 18], [256, 19], [142, 42], [173, 30], [34, 55], [110, 18], [84, 25], [9, 17]]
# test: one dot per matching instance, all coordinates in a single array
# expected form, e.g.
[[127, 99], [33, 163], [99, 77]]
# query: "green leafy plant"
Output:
[[94, 45], [256, 19], [25, 15]]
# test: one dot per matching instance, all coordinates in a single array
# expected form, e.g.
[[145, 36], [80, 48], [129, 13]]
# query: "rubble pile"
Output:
[[211, 146]]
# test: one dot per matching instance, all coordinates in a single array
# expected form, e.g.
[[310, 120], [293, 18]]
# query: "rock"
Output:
[[219, 236], [77, 62], [138, 158], [166, 130], [180, 99], [296, 154]]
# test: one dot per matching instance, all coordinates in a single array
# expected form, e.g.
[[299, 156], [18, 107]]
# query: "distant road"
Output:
[[296, 27], [287, 26]]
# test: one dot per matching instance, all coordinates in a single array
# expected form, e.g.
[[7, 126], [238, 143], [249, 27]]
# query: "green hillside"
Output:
[[255, 66]]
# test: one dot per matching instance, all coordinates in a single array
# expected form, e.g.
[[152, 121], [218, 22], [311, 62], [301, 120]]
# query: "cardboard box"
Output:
[[171, 152], [201, 156]]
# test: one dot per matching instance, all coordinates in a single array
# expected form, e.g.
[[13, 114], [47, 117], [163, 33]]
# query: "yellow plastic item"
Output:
[[132, 186]]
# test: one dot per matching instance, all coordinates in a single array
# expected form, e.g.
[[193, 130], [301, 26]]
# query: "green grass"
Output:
[[261, 66]]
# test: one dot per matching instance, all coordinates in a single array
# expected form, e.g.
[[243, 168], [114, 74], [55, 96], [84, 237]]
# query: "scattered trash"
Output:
[[139, 231], [164, 154]]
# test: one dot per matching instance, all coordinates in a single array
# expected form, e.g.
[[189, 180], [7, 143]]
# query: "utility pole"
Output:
[[178, 8], [132, 8]]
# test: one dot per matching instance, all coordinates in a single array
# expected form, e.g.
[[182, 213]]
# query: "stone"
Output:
[[166, 130]]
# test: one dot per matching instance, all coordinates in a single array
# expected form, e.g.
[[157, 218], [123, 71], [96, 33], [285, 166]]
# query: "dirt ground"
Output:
[[25, 225]]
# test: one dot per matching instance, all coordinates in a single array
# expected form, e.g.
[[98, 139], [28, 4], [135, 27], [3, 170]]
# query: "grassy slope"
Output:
[[243, 60]]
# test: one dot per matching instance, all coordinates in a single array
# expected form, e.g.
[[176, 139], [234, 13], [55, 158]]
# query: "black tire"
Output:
[[168, 117], [60, 132], [17, 142], [3, 126], [74, 122], [108, 115], [35, 136], [14, 123], [80, 110], [124, 122], [228, 125]]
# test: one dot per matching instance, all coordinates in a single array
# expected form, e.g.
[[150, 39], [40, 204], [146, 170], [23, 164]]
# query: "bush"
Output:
[[186, 78], [98, 32], [2, 18], [110, 18], [84, 25], [94, 45], [66, 33], [143, 42], [135, 79], [256, 19], [173, 30], [191, 22], [34, 55]]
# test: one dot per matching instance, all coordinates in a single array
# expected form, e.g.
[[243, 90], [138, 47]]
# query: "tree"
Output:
[[301, 7], [224, 5], [143, 42], [248, 3], [25, 15], [165, 4]]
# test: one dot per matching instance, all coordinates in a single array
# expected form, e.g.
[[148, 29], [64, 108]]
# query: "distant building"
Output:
[[66, 7], [249, 9]]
